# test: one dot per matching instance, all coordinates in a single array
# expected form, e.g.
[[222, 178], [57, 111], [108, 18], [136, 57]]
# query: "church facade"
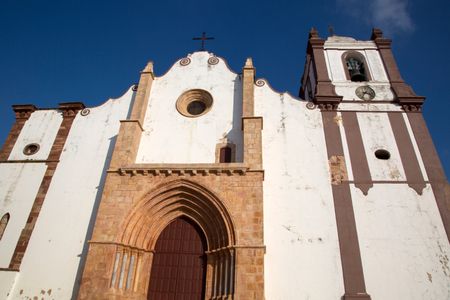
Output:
[[204, 183]]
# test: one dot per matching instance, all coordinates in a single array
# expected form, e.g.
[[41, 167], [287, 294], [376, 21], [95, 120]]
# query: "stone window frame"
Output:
[[230, 145], [359, 56]]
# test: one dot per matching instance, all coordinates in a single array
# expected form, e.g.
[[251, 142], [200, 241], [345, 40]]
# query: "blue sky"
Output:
[[89, 51]]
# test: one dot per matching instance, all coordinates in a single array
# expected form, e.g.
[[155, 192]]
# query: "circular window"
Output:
[[31, 149], [382, 154], [196, 107], [194, 103]]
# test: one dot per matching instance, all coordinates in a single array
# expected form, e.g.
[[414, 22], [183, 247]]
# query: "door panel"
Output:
[[178, 270]]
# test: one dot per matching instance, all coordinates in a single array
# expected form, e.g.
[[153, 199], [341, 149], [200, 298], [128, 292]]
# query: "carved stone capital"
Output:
[[24, 111], [412, 107], [70, 109]]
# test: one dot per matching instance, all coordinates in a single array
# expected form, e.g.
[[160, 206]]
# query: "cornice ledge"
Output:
[[182, 169]]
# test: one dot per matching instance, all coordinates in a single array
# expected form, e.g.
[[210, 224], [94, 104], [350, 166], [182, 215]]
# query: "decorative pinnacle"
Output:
[[148, 68], [249, 63], [313, 33]]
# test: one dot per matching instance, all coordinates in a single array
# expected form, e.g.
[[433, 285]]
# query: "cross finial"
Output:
[[203, 38], [331, 30]]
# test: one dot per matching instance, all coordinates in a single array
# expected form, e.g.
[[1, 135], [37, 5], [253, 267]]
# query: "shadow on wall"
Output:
[[98, 197], [235, 134]]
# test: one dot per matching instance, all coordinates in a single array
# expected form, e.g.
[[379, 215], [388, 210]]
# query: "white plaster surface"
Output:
[[19, 184], [404, 248], [302, 251], [377, 134], [369, 107], [56, 245], [346, 88], [7, 280], [166, 129], [41, 128], [416, 148]]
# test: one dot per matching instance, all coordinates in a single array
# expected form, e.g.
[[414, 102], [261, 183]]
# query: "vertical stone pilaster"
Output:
[[129, 137], [325, 93], [249, 273], [352, 269], [251, 125], [143, 93], [248, 92], [23, 113], [403, 92]]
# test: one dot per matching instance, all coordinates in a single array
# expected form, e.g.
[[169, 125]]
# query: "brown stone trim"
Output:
[[433, 167], [23, 113], [325, 92], [404, 93], [69, 111], [248, 80], [9, 270], [143, 93], [368, 102], [384, 182], [407, 154], [372, 111], [345, 219], [24, 161], [360, 166]]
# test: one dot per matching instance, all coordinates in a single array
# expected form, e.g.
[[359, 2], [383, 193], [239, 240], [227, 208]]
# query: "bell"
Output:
[[356, 75], [356, 70]]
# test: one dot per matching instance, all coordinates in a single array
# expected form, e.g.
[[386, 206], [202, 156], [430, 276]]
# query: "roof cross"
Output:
[[203, 38]]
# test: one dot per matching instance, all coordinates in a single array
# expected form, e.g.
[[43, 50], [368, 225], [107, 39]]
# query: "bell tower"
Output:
[[378, 148]]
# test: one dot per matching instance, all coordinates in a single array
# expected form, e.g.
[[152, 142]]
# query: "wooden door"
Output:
[[179, 263]]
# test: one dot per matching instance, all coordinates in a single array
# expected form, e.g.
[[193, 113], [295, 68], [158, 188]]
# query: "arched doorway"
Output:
[[179, 263]]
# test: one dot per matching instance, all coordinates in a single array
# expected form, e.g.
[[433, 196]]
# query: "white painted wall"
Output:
[[335, 47], [19, 184], [377, 134], [41, 128], [302, 250], [166, 129], [56, 245], [404, 248], [7, 280]]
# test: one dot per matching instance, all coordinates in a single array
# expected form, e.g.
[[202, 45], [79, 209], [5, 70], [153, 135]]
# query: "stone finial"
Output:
[[148, 68], [313, 33], [249, 63], [376, 33]]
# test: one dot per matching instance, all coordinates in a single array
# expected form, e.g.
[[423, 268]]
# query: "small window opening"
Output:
[[3, 223], [382, 154], [356, 69], [225, 155], [196, 107], [31, 149]]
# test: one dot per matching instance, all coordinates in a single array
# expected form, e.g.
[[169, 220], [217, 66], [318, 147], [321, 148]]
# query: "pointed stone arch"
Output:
[[168, 201], [153, 213]]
